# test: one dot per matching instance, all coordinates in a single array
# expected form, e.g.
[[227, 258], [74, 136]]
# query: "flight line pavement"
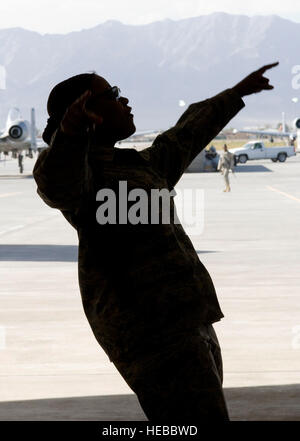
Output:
[[51, 366]]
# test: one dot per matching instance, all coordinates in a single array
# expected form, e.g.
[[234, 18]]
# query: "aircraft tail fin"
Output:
[[283, 123], [14, 114], [33, 130]]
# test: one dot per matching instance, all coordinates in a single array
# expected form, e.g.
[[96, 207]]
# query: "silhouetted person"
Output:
[[292, 142], [226, 163], [148, 298], [20, 162], [211, 153]]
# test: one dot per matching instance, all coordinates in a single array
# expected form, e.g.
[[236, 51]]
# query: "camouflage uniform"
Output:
[[226, 163], [144, 290]]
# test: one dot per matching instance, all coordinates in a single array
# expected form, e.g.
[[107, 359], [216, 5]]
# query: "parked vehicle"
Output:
[[257, 150]]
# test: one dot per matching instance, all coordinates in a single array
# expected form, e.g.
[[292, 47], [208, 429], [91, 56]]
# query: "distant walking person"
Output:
[[20, 162], [148, 298], [226, 163]]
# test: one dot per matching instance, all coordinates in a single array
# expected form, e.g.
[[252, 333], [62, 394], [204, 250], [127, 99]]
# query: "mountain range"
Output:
[[157, 65]]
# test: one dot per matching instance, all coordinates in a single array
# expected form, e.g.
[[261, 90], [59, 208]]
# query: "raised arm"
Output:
[[61, 170], [173, 150]]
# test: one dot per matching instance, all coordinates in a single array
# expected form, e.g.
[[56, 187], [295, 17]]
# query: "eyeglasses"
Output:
[[113, 93]]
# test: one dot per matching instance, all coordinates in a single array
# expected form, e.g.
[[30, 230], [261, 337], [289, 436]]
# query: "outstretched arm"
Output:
[[175, 149]]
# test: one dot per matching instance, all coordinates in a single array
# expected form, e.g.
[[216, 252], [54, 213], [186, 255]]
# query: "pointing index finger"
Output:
[[268, 66]]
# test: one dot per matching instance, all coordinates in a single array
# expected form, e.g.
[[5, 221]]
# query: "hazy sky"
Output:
[[63, 16]]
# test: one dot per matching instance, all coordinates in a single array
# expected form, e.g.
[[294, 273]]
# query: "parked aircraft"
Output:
[[19, 135], [291, 136]]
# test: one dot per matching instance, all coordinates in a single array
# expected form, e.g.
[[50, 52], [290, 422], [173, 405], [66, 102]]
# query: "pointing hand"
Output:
[[255, 82]]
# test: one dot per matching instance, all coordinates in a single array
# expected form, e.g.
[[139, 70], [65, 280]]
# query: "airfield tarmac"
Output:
[[51, 366]]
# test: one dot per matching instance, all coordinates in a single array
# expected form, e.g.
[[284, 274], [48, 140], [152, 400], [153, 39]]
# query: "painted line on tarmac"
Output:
[[30, 224], [5, 195], [284, 194]]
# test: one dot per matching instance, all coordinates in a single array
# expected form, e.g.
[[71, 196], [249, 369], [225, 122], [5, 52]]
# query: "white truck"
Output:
[[257, 150]]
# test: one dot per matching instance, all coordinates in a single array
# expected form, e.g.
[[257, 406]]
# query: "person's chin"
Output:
[[131, 130], [127, 131]]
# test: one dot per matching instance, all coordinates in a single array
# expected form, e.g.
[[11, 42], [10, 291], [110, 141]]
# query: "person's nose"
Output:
[[124, 100]]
